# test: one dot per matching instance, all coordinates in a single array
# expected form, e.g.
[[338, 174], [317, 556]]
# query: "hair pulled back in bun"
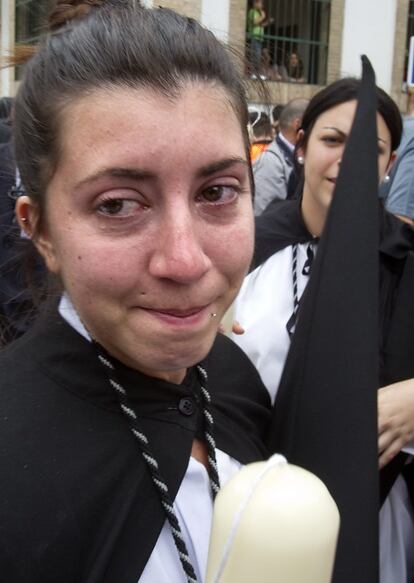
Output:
[[65, 12]]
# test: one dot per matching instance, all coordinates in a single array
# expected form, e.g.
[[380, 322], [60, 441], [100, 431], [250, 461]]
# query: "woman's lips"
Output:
[[180, 317]]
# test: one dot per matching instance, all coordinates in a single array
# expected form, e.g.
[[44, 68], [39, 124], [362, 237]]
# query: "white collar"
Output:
[[68, 312], [286, 142]]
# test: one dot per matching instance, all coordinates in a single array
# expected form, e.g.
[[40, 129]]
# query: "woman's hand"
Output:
[[236, 328], [395, 419]]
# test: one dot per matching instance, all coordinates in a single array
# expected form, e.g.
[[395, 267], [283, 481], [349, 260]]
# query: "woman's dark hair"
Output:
[[95, 44], [345, 90]]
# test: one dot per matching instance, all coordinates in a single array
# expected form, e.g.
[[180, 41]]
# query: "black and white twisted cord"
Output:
[[290, 326], [209, 432], [152, 464]]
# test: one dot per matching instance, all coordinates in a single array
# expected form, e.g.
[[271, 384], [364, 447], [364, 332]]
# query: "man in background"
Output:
[[398, 190], [272, 170]]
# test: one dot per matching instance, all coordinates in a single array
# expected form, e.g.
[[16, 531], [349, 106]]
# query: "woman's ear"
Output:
[[391, 161], [27, 215], [300, 151]]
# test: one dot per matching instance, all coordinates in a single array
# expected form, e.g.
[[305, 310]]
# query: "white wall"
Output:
[[215, 15], [369, 29]]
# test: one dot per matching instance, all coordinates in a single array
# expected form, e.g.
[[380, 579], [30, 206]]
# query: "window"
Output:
[[30, 19], [30, 22], [295, 41]]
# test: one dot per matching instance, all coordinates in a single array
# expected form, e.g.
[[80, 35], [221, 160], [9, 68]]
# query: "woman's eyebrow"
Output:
[[343, 134], [138, 174], [132, 173], [220, 165]]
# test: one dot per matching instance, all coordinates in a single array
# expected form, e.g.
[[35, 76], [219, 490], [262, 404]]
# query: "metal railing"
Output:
[[299, 28], [30, 19]]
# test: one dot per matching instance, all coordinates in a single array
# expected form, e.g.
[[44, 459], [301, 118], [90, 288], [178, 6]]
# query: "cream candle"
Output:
[[273, 523]]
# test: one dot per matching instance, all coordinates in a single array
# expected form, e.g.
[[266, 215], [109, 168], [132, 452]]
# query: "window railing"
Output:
[[30, 19], [30, 23], [294, 44]]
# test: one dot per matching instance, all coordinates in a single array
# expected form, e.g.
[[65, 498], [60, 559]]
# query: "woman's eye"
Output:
[[331, 140], [218, 194], [120, 207]]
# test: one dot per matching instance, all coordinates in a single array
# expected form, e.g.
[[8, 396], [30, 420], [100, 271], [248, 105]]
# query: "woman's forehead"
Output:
[[141, 128]]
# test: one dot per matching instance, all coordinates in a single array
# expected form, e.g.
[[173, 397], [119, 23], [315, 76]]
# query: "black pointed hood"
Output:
[[325, 418]]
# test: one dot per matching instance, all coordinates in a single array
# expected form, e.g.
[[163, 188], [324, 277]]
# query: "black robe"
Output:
[[77, 504]]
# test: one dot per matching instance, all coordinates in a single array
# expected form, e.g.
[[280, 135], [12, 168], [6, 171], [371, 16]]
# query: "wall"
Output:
[[369, 28], [215, 15]]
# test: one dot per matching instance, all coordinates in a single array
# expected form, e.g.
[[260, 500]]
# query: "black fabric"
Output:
[[279, 226], [325, 416], [77, 504]]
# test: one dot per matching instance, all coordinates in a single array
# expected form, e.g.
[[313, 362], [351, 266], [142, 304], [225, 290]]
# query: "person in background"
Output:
[[287, 236], [272, 171], [292, 71], [262, 134], [398, 187], [268, 69], [122, 408], [257, 20]]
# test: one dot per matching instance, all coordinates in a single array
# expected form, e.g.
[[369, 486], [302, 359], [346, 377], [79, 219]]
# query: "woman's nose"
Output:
[[179, 253]]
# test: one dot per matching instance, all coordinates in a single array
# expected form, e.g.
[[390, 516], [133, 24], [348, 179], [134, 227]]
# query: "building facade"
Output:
[[327, 37]]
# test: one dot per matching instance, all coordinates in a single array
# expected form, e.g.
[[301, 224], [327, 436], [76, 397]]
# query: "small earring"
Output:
[[387, 178], [301, 160], [24, 219]]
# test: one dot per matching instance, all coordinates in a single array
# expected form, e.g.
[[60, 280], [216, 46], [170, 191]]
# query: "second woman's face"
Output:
[[324, 150], [149, 221]]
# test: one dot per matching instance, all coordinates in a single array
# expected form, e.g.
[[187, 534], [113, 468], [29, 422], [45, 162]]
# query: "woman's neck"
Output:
[[313, 214]]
